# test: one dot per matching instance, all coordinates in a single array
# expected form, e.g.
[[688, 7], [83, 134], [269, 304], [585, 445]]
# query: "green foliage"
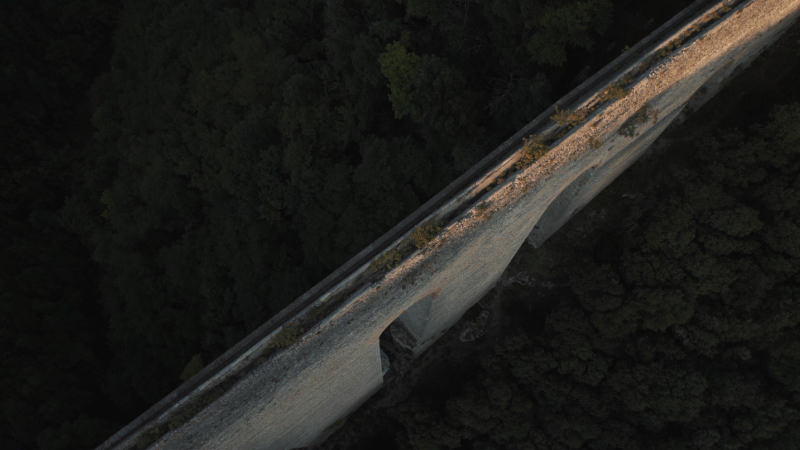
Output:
[[784, 364], [387, 260], [185, 169], [556, 27], [52, 327], [616, 91], [425, 233], [235, 152], [533, 148], [669, 48], [402, 70], [424, 88], [565, 117], [418, 238]]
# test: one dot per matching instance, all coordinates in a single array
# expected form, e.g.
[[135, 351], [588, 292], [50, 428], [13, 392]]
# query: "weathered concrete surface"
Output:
[[292, 398]]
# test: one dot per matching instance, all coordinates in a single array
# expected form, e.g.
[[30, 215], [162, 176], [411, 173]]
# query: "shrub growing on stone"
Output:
[[567, 117], [533, 149], [425, 233]]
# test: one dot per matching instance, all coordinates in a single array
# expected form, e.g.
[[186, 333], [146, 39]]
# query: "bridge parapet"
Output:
[[288, 383]]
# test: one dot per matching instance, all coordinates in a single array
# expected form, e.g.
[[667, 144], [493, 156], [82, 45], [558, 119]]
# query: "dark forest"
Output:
[[176, 172]]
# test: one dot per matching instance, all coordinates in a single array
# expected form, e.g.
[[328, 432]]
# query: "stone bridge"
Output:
[[291, 381]]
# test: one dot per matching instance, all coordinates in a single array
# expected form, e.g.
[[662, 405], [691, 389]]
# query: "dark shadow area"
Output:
[[663, 315], [176, 173]]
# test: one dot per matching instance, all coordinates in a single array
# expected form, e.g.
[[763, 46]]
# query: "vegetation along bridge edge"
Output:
[[165, 421]]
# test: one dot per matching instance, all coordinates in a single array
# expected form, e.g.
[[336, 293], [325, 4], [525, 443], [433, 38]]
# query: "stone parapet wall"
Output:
[[273, 397]]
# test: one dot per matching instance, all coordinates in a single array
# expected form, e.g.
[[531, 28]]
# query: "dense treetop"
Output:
[[182, 170], [244, 151]]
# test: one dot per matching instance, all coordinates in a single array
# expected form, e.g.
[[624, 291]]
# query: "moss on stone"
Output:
[[425, 233], [613, 92], [533, 149], [387, 260], [566, 117]]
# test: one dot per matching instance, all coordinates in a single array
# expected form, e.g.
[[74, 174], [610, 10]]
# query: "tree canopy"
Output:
[[180, 170]]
